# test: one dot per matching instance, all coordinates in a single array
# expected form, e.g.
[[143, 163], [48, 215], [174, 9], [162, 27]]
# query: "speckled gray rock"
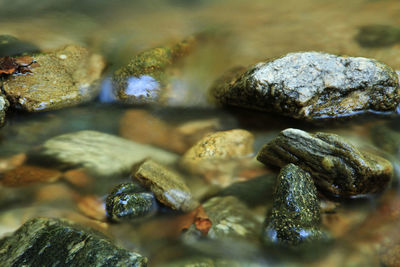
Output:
[[335, 165], [312, 86], [3, 107], [99, 153], [168, 186], [231, 219], [54, 242], [129, 201], [295, 216], [59, 79]]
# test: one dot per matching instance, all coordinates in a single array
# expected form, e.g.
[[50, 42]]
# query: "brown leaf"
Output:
[[93, 207], [8, 65], [29, 174], [201, 221]]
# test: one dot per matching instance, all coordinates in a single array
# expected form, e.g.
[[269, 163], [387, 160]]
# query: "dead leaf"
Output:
[[11, 65]]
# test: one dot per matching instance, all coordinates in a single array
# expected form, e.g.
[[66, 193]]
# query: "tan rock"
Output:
[[27, 174]]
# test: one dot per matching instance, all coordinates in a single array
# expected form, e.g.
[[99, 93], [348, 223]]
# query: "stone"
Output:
[[231, 219], [386, 138], [295, 216], [29, 174], [145, 80], [55, 242], [376, 35], [253, 192], [99, 153], [11, 46], [218, 154], [129, 201], [4, 104], [168, 186], [312, 86], [336, 166], [59, 79], [157, 132]]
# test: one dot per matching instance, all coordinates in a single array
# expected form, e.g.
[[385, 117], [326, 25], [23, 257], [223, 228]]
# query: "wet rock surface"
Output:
[[212, 156], [312, 86], [129, 201], [230, 218], [54, 242], [168, 186], [4, 104], [295, 215], [145, 79], [59, 79], [336, 166], [99, 153], [371, 36]]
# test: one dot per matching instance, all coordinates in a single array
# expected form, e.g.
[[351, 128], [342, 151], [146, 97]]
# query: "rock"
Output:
[[11, 162], [129, 201], [230, 219], [4, 104], [54, 242], [391, 257], [157, 132], [145, 80], [336, 166], [29, 174], [253, 192], [217, 155], [59, 79], [378, 35], [212, 262], [386, 138], [99, 153], [168, 186], [11, 46], [295, 217], [312, 86]]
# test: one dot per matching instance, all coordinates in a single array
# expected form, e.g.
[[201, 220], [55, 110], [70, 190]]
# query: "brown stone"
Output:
[[27, 174]]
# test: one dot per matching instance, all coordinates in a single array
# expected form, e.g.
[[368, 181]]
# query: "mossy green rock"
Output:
[[145, 79], [55, 242], [11, 46], [295, 215], [129, 201], [168, 186], [312, 86], [336, 166], [376, 35], [3, 108], [59, 79]]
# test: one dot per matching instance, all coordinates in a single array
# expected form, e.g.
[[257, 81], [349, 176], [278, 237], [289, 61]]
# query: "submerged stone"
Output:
[[295, 216], [216, 155], [59, 79], [3, 108], [129, 201], [378, 35], [54, 242], [335, 165], [386, 139], [11, 46], [168, 186], [99, 153], [312, 86], [145, 80]]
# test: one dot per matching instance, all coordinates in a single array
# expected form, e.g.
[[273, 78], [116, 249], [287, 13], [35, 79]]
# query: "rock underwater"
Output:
[[312, 86]]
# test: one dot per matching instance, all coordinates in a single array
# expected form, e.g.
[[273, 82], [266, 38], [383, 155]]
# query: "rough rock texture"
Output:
[[214, 155], [145, 80], [59, 79], [231, 219], [311, 86], [100, 153], [129, 201], [295, 216], [168, 186], [53, 242], [378, 35], [3, 107], [335, 165]]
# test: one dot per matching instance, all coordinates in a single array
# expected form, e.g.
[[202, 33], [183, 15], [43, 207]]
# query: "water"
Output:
[[245, 33]]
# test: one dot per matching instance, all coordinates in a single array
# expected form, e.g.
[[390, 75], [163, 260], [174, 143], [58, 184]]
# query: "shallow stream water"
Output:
[[246, 33]]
